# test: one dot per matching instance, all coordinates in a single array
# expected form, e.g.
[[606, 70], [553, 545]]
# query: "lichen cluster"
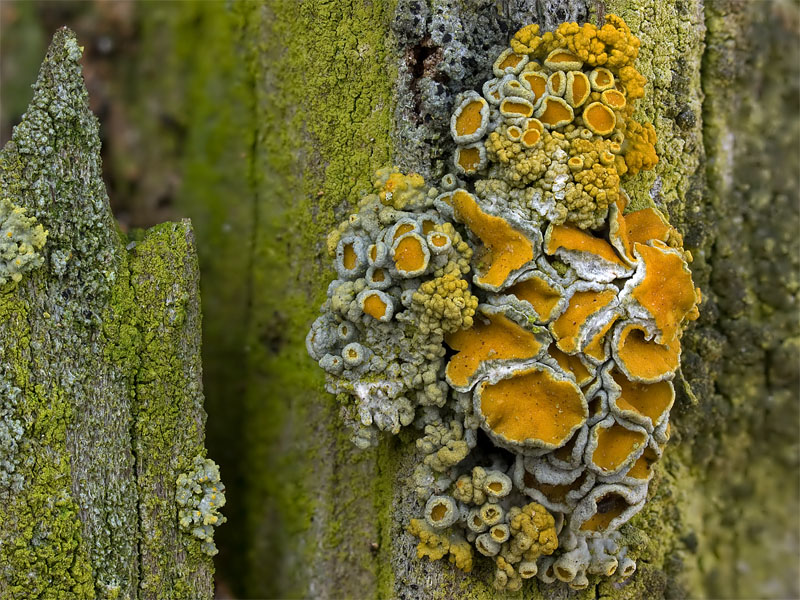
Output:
[[541, 424], [21, 239], [400, 288], [200, 494], [556, 120]]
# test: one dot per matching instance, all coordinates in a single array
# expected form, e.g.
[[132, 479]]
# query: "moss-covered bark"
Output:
[[100, 389], [272, 117]]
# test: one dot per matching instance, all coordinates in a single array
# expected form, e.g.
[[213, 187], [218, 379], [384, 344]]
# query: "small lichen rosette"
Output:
[[21, 240], [535, 346], [400, 287], [200, 494]]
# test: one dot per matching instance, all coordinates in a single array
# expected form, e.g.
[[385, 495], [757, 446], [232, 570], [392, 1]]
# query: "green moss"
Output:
[[43, 550], [247, 98]]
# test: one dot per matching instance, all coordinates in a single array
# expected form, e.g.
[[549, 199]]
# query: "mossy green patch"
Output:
[[292, 104]]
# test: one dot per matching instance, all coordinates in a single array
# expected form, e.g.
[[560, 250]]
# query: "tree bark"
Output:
[[101, 401], [273, 126]]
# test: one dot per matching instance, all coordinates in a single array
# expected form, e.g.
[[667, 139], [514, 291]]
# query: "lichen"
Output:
[[567, 357], [200, 494], [21, 239]]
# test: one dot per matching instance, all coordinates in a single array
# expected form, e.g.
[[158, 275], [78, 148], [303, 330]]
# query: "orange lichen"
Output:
[[609, 507], [402, 230], [578, 88], [567, 327], [645, 225], [374, 306], [557, 83], [639, 226], [438, 512], [601, 79], [408, 254], [469, 159], [565, 452], [643, 467], [470, 118], [554, 112], [646, 360], [555, 494], [439, 240], [615, 446], [571, 364], [534, 125], [595, 346], [530, 138], [599, 118], [539, 294], [516, 107], [533, 406], [574, 239], [377, 275], [427, 226], [649, 400], [536, 81], [350, 258], [563, 59], [667, 291], [494, 337], [510, 61], [613, 98], [506, 248]]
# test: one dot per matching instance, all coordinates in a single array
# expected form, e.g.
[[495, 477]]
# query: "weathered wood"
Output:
[[286, 108], [100, 384]]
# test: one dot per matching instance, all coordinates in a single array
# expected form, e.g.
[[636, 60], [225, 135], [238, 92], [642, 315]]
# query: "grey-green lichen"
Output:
[[388, 358], [21, 239], [200, 494]]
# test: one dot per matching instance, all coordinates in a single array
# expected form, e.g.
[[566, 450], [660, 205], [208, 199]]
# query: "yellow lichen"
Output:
[[398, 190], [639, 150], [533, 407], [494, 337], [436, 544], [506, 249], [445, 304]]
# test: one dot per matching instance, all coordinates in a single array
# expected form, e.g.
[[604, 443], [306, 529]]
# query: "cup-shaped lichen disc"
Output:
[[506, 248], [531, 407], [492, 337], [642, 359], [666, 290]]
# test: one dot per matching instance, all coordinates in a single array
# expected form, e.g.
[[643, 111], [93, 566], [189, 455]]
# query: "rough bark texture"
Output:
[[100, 379], [271, 118]]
